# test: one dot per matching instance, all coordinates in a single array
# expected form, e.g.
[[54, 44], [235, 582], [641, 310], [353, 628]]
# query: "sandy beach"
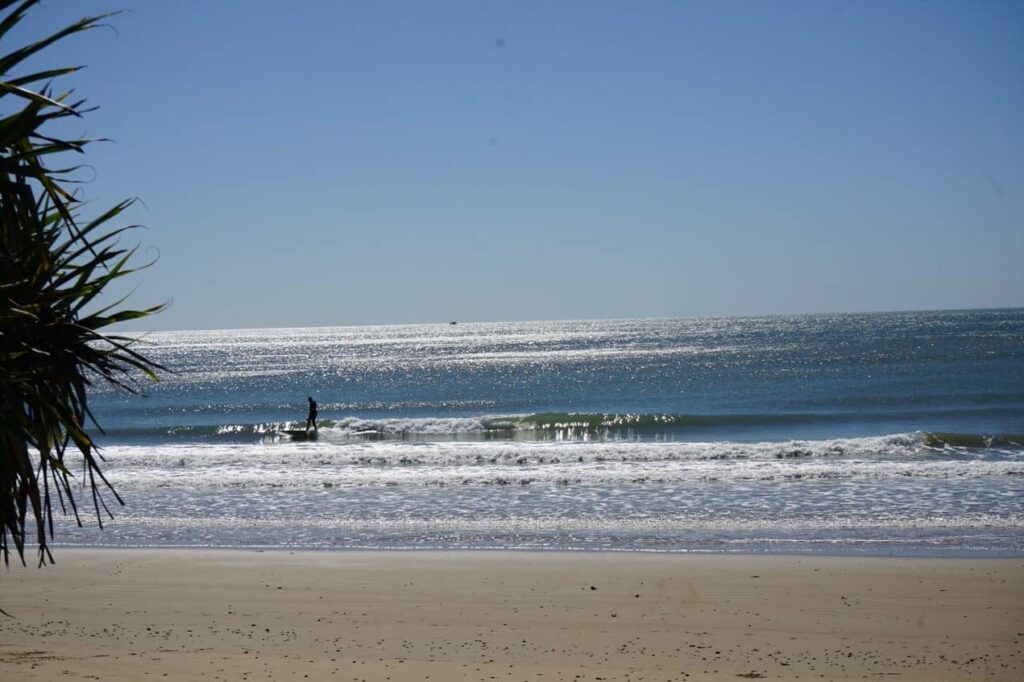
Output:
[[247, 615]]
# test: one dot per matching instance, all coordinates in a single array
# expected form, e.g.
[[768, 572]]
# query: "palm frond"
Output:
[[54, 267]]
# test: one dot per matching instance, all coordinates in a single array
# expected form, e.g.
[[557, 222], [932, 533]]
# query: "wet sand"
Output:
[[249, 615]]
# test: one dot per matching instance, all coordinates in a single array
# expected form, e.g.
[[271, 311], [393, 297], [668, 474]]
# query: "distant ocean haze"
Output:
[[874, 433]]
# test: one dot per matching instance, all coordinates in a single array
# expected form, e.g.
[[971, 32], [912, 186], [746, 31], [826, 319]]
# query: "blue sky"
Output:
[[334, 163]]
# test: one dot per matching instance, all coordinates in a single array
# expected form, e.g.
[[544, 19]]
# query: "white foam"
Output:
[[315, 464], [556, 524]]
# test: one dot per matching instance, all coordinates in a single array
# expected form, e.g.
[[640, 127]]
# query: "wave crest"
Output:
[[541, 426]]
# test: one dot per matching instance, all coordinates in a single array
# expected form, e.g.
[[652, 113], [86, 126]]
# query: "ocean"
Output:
[[877, 434]]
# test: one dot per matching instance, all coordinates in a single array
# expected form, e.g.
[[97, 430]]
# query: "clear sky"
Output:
[[334, 163]]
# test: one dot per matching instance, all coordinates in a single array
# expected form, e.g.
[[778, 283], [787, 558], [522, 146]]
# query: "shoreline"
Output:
[[938, 555], [123, 613]]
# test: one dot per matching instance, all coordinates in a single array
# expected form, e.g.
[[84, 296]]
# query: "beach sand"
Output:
[[251, 615]]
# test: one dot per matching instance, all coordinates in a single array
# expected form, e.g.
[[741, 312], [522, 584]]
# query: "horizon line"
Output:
[[447, 323]]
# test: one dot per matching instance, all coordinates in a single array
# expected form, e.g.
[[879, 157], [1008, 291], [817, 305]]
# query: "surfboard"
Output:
[[299, 434]]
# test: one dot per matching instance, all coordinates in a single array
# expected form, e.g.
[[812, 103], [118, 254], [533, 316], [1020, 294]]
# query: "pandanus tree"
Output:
[[56, 270]]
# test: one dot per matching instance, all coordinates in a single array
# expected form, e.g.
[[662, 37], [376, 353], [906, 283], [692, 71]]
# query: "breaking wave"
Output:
[[280, 462], [540, 425]]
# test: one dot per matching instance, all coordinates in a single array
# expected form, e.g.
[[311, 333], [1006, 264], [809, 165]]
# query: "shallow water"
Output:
[[882, 433]]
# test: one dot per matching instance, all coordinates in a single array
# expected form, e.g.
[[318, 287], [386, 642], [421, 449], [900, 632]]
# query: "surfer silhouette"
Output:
[[311, 419]]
